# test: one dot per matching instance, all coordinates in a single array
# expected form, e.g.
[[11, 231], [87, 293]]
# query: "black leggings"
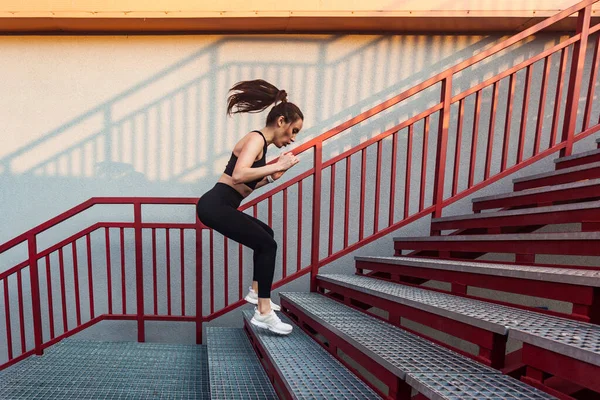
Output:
[[218, 209]]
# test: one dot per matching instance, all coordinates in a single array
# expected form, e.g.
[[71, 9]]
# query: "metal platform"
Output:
[[234, 368], [548, 274], [83, 369], [307, 370], [551, 333], [434, 371]]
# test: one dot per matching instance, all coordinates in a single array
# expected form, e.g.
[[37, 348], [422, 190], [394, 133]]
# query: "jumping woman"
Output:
[[246, 171]]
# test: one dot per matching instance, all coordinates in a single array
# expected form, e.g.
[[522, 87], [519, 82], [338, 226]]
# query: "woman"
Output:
[[246, 171]]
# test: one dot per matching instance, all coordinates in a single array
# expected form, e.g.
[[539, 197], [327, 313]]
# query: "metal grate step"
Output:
[[82, 369], [545, 189], [577, 339], [234, 368], [308, 370], [434, 371], [577, 156], [557, 172], [548, 274], [528, 211]]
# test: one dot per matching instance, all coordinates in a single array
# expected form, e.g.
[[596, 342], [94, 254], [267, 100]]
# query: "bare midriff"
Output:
[[240, 187]]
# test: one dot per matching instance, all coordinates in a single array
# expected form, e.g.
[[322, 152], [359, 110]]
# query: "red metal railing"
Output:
[[450, 107]]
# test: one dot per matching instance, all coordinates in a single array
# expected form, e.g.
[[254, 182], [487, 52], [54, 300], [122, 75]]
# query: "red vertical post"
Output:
[[199, 303], [577, 63], [35, 294], [316, 220], [139, 277], [442, 144]]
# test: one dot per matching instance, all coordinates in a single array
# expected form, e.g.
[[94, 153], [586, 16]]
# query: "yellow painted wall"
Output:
[[523, 7]]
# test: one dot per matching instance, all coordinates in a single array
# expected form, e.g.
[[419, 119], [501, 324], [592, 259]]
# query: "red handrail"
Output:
[[438, 201]]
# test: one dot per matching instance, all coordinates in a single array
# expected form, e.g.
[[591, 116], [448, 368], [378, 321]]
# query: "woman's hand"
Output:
[[285, 162]]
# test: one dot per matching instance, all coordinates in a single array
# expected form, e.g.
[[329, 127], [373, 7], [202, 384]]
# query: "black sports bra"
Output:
[[260, 163]]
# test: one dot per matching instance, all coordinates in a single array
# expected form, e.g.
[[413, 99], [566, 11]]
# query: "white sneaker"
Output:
[[252, 297], [271, 322]]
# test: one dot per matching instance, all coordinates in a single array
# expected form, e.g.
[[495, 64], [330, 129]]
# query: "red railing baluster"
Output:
[[168, 273], [139, 273], [424, 164], [316, 220], [377, 188], [154, 271], [90, 276], [524, 111], [63, 294], [393, 178], [491, 131], [592, 85], [474, 138], [331, 209], [181, 252], [285, 242], [573, 91], [541, 108], [347, 203], [76, 282], [108, 271], [442, 146], [50, 306], [299, 249], [559, 87], [9, 343], [408, 170], [363, 181], [459, 129], [35, 294], [507, 121]]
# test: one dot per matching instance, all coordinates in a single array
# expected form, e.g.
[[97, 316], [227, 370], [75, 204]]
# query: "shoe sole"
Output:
[[251, 300], [265, 326]]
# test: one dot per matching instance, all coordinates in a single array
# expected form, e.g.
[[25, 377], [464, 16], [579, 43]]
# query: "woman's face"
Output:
[[286, 132]]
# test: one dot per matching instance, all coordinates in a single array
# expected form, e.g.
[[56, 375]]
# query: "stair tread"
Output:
[[557, 172], [234, 368], [553, 333], [577, 156], [307, 369], [505, 237], [523, 211], [527, 192], [433, 370], [549, 274]]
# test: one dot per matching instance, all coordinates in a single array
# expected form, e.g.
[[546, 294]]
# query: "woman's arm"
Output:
[[243, 172]]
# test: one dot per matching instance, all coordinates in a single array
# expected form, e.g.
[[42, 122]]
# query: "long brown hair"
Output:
[[256, 95]]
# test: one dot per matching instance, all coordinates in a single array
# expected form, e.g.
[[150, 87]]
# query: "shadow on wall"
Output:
[[160, 139]]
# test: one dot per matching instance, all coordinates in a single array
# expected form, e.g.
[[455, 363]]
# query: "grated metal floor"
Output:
[[82, 369], [235, 370]]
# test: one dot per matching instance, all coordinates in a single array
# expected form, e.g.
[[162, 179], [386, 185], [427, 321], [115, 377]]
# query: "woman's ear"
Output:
[[280, 121]]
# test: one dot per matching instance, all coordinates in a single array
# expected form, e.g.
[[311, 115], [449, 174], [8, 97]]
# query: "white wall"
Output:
[[145, 116]]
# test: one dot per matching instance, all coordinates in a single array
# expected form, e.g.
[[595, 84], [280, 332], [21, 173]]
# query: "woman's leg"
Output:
[[242, 228], [270, 232]]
